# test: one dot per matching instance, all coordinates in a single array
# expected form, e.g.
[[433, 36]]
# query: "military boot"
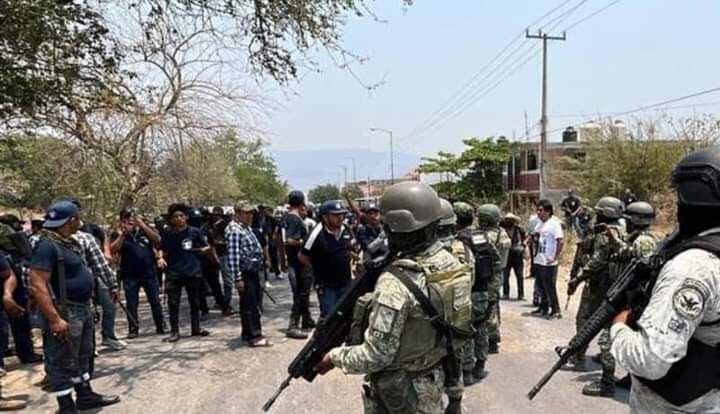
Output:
[[576, 363], [468, 378], [454, 406], [293, 330], [479, 372], [624, 382], [599, 389], [308, 324], [493, 347]]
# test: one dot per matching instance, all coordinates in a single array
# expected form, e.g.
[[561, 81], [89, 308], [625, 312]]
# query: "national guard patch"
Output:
[[689, 300]]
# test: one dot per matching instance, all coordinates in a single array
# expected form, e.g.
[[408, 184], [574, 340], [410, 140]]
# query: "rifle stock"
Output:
[[333, 331], [618, 296]]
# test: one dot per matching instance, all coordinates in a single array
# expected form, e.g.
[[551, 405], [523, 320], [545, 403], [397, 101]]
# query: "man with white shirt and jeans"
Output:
[[549, 247]]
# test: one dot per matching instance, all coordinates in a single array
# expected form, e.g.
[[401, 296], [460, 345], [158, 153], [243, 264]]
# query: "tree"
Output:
[[475, 175], [642, 160], [323, 193], [352, 191], [52, 52]]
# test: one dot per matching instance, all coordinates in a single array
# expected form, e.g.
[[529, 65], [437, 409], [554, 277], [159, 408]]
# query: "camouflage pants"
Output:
[[493, 329], [453, 383], [477, 348], [606, 359], [585, 310], [425, 394]]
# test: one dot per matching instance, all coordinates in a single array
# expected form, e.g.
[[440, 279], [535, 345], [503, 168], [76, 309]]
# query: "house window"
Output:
[[532, 161]]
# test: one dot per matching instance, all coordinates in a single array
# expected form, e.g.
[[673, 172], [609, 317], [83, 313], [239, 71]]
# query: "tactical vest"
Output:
[[485, 257], [699, 371], [442, 327]]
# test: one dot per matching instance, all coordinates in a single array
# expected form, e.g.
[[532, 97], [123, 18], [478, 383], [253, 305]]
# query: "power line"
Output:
[[444, 109], [481, 90], [591, 15], [645, 107], [667, 108]]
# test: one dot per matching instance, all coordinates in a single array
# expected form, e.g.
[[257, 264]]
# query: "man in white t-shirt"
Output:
[[549, 247]]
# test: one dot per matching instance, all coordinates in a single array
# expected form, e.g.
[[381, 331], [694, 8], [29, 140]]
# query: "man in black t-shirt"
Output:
[[57, 262], [181, 245], [571, 206], [294, 235], [134, 242], [328, 249]]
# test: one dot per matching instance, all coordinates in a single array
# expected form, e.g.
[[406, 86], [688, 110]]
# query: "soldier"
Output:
[[672, 349], [487, 244], [489, 221], [401, 352], [600, 272], [462, 251], [641, 243]]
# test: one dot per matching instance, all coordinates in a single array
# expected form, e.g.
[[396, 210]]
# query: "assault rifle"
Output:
[[631, 289], [333, 331]]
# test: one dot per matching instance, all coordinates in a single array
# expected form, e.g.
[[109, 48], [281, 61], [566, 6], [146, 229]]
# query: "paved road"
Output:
[[219, 374]]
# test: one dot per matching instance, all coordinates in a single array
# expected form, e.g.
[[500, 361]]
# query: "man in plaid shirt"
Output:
[[245, 260], [105, 287]]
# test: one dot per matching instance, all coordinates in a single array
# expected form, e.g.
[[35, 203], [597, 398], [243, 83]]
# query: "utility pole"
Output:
[[354, 170], [344, 168], [543, 119], [392, 156]]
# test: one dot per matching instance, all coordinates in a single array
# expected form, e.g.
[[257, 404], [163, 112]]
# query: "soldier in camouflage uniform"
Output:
[[400, 354], [490, 245], [489, 217], [447, 233], [600, 272]]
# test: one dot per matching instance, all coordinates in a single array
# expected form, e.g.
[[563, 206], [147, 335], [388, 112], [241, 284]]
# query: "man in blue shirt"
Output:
[[372, 227], [134, 242], [57, 262], [181, 245], [328, 250], [245, 261]]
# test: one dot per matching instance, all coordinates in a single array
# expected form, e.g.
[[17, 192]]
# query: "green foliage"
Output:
[[475, 175], [51, 53], [323, 193], [352, 191], [641, 161]]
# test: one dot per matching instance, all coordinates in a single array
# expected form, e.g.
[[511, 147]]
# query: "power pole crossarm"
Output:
[[543, 119]]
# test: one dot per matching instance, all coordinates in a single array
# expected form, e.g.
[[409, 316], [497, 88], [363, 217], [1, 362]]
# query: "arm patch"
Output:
[[384, 321], [689, 300]]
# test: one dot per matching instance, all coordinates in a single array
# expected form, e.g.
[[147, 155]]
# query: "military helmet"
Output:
[[296, 198], [610, 207], [410, 206], [640, 213], [448, 214], [489, 214], [463, 211], [696, 179]]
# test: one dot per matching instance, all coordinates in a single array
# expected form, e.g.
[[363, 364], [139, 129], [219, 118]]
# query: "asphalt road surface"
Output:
[[220, 374]]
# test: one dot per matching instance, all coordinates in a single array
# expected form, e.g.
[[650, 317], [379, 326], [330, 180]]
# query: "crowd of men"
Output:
[[433, 318]]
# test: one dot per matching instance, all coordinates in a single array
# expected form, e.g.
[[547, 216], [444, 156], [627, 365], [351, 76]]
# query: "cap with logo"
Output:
[[59, 213]]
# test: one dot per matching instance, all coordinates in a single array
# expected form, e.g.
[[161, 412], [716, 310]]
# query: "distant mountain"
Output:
[[305, 169]]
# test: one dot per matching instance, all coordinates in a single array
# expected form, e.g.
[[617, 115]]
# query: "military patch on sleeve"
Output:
[[384, 321], [689, 300], [677, 325]]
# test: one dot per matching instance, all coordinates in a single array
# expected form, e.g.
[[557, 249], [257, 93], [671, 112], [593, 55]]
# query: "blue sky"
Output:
[[636, 52]]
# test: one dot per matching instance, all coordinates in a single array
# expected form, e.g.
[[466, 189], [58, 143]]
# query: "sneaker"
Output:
[[201, 332], [174, 337], [114, 344], [132, 335], [281, 276]]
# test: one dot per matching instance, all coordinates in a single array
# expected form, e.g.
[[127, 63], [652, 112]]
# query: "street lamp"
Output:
[[392, 157]]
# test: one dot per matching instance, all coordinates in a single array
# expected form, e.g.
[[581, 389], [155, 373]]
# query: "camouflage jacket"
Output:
[[397, 336], [599, 268], [638, 245]]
